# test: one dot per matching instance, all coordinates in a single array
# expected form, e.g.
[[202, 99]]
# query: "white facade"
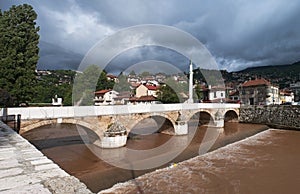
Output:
[[216, 94], [286, 97], [272, 95], [106, 99], [152, 93], [57, 101]]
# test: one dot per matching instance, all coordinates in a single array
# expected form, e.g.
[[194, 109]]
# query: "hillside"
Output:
[[281, 75], [273, 72]]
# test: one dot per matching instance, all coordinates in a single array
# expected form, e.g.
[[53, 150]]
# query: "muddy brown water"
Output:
[[63, 144], [266, 163]]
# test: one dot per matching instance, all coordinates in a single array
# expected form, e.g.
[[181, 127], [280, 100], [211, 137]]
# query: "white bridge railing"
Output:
[[82, 111]]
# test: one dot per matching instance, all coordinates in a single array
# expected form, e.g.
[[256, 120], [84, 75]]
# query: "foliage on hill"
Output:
[[277, 71], [281, 75]]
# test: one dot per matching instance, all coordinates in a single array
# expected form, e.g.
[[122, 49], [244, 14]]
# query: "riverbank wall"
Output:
[[278, 116]]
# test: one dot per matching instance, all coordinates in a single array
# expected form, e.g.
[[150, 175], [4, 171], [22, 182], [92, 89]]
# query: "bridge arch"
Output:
[[161, 119], [231, 115], [162, 125], [203, 117], [41, 123]]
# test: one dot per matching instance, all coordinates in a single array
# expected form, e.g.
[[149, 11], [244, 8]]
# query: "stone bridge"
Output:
[[110, 125]]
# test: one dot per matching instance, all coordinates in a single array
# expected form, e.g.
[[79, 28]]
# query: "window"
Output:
[[215, 94], [222, 94]]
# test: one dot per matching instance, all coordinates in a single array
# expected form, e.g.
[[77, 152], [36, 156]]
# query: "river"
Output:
[[63, 144], [266, 163]]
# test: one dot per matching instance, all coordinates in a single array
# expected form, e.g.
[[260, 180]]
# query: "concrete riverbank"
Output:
[[25, 169]]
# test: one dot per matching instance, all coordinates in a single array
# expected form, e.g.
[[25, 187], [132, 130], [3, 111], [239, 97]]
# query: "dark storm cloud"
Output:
[[238, 33]]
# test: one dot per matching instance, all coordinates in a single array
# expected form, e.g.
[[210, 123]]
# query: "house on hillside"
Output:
[[234, 95], [111, 77], [286, 96], [214, 93], [122, 98], [295, 87], [144, 100], [105, 97], [146, 90], [259, 92]]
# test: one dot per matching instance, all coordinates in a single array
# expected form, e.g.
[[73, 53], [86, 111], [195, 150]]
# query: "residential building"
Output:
[[146, 90], [144, 100], [105, 97], [111, 77], [123, 98], [295, 87], [259, 92], [214, 93], [234, 95], [286, 96]]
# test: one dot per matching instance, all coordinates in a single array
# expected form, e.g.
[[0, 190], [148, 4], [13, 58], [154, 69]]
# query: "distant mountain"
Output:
[[53, 57], [281, 75], [290, 70]]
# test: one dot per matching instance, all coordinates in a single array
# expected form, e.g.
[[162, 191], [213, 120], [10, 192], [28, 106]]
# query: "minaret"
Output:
[[190, 100]]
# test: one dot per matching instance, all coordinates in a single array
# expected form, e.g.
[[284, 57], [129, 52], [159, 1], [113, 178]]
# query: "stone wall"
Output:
[[281, 116]]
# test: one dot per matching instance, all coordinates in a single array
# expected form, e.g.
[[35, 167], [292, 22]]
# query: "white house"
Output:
[[286, 96], [213, 93], [105, 97]]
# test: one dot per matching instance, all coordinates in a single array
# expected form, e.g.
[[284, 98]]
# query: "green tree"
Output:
[[198, 93], [18, 52], [122, 85], [132, 73], [172, 91], [166, 94], [103, 83], [5, 99], [145, 74], [85, 85]]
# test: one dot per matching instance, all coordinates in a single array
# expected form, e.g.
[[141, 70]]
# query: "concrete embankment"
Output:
[[25, 169]]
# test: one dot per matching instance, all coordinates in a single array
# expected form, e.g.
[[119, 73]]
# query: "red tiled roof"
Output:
[[102, 91], [285, 92], [234, 93], [151, 87], [111, 76], [256, 82]]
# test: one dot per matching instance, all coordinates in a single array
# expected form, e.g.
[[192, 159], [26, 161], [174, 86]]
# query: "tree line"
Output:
[[18, 54]]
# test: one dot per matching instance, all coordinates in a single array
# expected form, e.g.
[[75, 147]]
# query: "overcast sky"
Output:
[[238, 33]]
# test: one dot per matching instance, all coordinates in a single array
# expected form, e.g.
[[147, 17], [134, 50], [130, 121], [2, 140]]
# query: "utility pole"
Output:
[[190, 100]]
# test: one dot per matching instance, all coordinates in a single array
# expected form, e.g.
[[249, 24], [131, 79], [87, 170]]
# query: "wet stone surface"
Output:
[[25, 169]]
